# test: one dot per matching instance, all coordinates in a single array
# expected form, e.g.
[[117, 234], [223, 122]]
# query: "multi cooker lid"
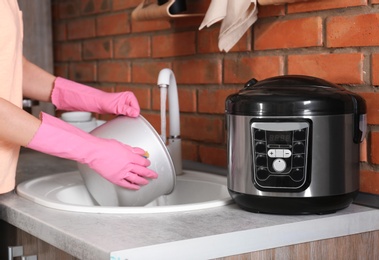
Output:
[[294, 95]]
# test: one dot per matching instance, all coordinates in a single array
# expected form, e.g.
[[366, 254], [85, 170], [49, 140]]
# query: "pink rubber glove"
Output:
[[119, 163], [71, 96]]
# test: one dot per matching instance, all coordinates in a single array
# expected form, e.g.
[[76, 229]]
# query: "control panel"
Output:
[[280, 151]]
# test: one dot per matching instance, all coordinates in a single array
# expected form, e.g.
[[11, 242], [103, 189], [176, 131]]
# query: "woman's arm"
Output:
[[16, 125], [37, 83]]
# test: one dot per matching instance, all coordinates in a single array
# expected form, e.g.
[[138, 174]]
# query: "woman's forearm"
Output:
[[37, 83], [16, 125]]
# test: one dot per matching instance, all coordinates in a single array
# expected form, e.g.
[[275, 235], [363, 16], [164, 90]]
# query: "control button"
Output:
[[299, 134], [287, 153], [262, 173], [297, 174], [279, 165], [298, 147], [259, 134], [260, 147], [279, 153], [271, 153], [261, 160], [298, 161]]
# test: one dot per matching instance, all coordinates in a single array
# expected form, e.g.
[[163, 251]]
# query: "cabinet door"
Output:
[[8, 234], [12, 236], [43, 250]]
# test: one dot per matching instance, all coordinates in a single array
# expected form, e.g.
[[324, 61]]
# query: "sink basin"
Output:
[[194, 190]]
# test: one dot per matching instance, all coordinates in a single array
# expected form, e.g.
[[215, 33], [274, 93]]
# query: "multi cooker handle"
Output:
[[360, 118], [250, 83]]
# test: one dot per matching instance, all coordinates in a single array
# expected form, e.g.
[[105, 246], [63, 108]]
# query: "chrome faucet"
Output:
[[166, 79]]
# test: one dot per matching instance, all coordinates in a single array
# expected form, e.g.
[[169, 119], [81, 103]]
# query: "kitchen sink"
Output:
[[194, 190]]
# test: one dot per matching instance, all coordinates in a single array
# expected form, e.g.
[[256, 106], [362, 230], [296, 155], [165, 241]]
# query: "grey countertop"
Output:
[[199, 234]]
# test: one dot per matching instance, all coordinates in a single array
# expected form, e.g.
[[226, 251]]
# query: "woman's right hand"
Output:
[[119, 163]]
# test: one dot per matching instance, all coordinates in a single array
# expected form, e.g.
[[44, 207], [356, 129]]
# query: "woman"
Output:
[[117, 162]]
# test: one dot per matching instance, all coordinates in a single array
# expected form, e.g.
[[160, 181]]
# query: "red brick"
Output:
[[198, 71], [106, 88], [148, 26], [363, 151], [147, 72], [207, 41], [374, 147], [81, 29], [375, 69], [59, 32], [213, 155], [97, 49], [197, 7], [132, 47], [61, 70], [375, 1], [212, 100], [55, 11], [83, 71], [114, 71], [344, 68], [154, 119], [68, 51], [369, 181], [105, 117], [122, 4], [176, 44], [190, 151], [113, 24], [372, 102], [202, 128], [353, 30], [240, 70], [271, 10], [187, 22], [67, 10], [303, 7], [295, 33], [143, 94], [245, 43], [94, 6], [187, 99]]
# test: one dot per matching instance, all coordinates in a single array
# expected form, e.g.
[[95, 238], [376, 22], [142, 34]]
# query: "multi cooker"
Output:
[[293, 145]]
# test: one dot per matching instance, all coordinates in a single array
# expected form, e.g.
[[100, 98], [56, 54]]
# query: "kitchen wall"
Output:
[[97, 43]]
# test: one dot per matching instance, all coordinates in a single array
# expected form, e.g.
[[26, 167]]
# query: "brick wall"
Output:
[[97, 43]]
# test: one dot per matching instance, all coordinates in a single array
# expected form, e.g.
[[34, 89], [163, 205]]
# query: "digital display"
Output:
[[279, 137]]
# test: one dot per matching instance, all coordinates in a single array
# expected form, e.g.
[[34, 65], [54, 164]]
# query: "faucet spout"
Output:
[[166, 80]]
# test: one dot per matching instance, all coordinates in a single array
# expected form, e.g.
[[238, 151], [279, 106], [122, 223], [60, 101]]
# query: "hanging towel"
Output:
[[215, 13], [237, 17], [241, 15]]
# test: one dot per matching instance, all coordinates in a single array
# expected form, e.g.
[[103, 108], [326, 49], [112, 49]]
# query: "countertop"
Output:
[[201, 234]]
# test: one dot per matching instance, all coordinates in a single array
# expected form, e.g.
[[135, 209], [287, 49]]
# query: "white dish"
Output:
[[76, 116]]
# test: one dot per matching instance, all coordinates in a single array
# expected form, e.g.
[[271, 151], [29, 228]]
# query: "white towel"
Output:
[[237, 16], [216, 12], [241, 15]]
